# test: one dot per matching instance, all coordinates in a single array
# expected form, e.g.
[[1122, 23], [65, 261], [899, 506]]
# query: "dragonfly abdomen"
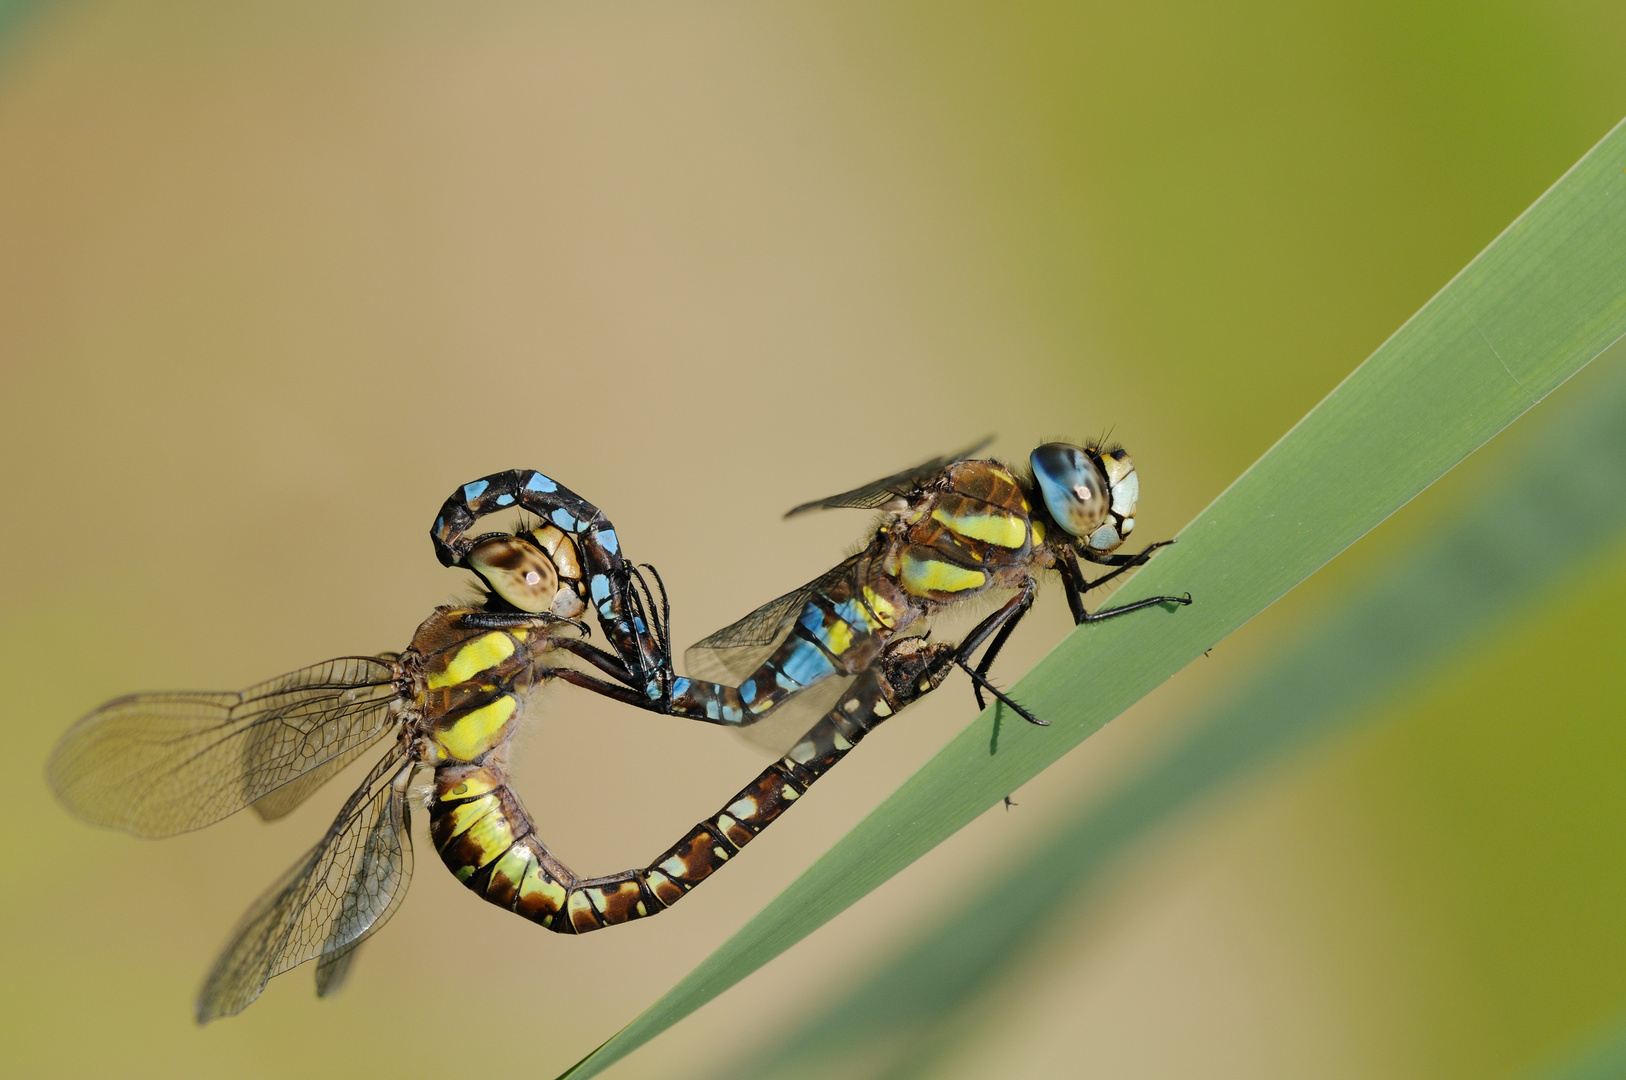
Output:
[[486, 838], [839, 631]]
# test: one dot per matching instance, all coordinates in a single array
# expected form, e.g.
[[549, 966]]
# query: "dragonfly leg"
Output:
[[510, 620], [1003, 621], [486, 838], [1122, 562], [628, 694], [1073, 578]]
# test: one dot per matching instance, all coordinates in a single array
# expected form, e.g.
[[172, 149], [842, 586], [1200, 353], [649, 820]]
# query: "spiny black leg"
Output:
[[1097, 616], [510, 620], [610, 690], [666, 607], [987, 661], [1119, 558], [607, 662], [977, 677], [1014, 608], [1026, 605], [1071, 578]]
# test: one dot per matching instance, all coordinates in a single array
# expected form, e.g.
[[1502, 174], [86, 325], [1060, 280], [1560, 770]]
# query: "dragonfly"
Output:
[[953, 529], [159, 764]]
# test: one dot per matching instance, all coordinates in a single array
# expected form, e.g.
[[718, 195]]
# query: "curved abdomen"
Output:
[[486, 838]]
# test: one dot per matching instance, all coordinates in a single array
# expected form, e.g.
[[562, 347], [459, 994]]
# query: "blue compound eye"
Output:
[[1073, 488]]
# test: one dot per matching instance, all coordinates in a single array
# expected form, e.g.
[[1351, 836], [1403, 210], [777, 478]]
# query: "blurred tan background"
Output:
[[274, 281]]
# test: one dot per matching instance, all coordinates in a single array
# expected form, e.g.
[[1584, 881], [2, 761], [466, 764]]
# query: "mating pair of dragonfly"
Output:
[[848, 648]]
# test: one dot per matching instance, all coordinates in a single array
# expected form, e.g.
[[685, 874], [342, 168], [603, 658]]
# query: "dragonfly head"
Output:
[[1090, 492], [521, 573]]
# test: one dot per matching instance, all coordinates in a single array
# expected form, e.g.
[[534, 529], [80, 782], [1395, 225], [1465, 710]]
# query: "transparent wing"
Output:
[[282, 801], [333, 968], [345, 888], [161, 764], [881, 492], [739, 648], [785, 726]]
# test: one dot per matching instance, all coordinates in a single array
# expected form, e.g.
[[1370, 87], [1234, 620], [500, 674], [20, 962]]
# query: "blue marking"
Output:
[[639, 623], [786, 683], [475, 490], [611, 543], [807, 664], [504, 500], [538, 482], [812, 621], [680, 686], [565, 520], [653, 690], [600, 586], [748, 689], [440, 526], [733, 714], [856, 615], [712, 710]]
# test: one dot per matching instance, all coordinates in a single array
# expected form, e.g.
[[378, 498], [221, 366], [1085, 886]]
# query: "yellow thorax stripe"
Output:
[[997, 528], [474, 733], [922, 576], [481, 654]]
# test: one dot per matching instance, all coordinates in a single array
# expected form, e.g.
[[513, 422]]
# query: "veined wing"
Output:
[[283, 800], [736, 650], [784, 727], [345, 888], [161, 764], [899, 485]]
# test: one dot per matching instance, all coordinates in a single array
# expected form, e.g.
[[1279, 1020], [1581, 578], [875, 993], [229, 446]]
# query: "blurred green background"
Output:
[[273, 281]]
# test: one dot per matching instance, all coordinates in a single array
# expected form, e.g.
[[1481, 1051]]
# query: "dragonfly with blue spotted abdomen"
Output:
[[162, 764], [953, 529]]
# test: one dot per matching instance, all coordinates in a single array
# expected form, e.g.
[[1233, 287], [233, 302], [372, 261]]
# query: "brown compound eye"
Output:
[[520, 573]]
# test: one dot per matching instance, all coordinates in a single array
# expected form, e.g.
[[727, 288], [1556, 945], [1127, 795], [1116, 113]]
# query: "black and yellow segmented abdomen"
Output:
[[486, 839]]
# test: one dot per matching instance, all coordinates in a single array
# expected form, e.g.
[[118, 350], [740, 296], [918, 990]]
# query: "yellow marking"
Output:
[[539, 881], [841, 744], [657, 879], [491, 835], [722, 856], [801, 753], [521, 634], [481, 654], [676, 867], [641, 910], [838, 637], [850, 706], [580, 903], [512, 865], [725, 823], [464, 815], [476, 732], [883, 608], [922, 576], [744, 808], [548, 537], [882, 709], [789, 793], [1000, 529], [477, 783], [1038, 532], [463, 873]]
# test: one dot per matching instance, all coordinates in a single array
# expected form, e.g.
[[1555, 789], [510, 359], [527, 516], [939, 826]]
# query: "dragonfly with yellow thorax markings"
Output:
[[160, 764]]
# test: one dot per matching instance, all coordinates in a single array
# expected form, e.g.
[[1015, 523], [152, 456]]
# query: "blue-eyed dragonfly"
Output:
[[953, 529], [161, 764]]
